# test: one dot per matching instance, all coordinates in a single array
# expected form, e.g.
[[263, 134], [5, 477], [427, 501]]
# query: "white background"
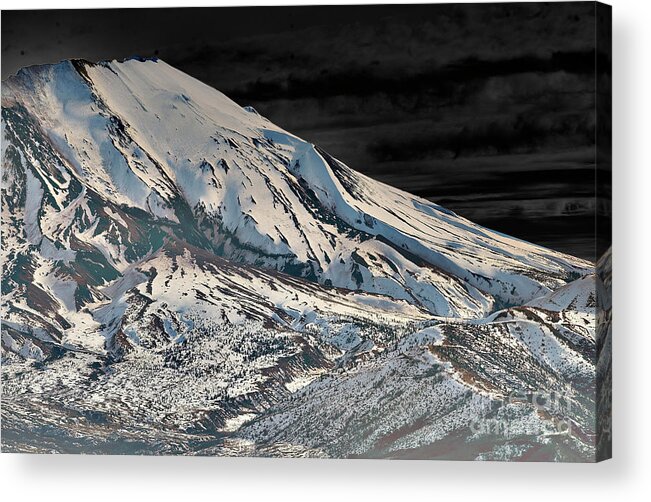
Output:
[[626, 477]]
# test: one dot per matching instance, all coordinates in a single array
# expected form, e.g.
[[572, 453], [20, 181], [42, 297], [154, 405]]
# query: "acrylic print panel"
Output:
[[341, 232]]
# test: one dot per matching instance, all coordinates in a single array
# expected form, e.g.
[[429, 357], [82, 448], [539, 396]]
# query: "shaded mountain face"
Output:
[[180, 275]]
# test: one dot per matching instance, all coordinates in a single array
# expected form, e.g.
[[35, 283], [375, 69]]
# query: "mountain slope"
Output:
[[177, 266], [148, 137]]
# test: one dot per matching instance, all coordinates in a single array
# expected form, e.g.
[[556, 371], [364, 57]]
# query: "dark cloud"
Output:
[[438, 81], [523, 133], [485, 108]]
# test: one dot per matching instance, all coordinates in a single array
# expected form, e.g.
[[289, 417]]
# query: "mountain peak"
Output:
[[141, 134]]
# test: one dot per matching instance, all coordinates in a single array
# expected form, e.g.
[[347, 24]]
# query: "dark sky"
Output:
[[487, 109]]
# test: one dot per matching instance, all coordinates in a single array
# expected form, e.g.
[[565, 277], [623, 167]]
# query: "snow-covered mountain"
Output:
[[182, 275]]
